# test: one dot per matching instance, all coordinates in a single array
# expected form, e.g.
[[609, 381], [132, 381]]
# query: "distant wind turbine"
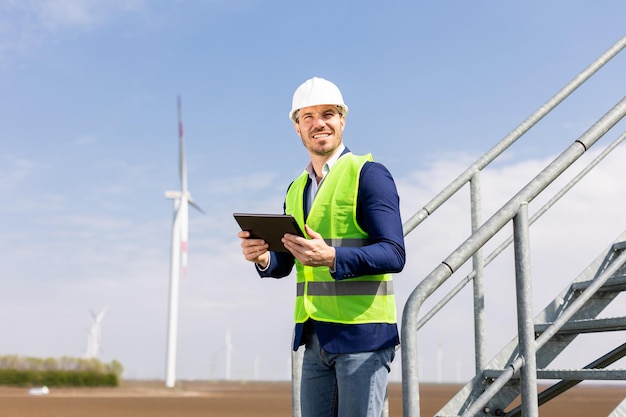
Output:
[[180, 232], [439, 363], [229, 355], [93, 337]]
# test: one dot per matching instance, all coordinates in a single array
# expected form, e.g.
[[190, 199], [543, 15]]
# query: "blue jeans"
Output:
[[343, 385]]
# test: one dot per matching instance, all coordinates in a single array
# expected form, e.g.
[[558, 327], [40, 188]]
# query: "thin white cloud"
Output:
[[27, 24], [244, 184], [87, 14], [13, 170]]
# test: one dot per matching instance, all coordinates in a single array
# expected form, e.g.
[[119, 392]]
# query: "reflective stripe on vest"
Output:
[[346, 288], [347, 242]]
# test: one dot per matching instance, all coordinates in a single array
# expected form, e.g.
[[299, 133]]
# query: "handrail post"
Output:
[[408, 336], [478, 263], [296, 380], [525, 321]]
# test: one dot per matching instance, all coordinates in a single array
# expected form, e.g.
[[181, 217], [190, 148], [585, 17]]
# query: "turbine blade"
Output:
[[181, 163], [196, 206], [182, 210], [101, 314]]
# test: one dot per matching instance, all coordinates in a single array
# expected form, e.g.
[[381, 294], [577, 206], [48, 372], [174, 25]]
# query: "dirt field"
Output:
[[213, 399]]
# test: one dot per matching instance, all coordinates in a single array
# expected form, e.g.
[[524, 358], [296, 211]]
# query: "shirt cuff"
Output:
[[258, 267]]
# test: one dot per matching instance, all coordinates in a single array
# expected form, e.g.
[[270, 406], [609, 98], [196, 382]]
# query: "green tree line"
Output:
[[65, 371]]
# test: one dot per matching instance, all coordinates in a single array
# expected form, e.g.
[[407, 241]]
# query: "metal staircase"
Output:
[[575, 311], [512, 376]]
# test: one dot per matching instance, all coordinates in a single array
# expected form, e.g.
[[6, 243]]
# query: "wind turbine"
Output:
[[93, 337], [180, 232], [229, 355]]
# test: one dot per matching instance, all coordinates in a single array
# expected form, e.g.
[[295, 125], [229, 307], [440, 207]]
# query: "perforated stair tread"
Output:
[[569, 374], [608, 324]]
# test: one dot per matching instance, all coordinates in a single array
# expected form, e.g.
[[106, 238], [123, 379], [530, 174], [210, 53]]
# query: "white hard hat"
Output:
[[316, 91]]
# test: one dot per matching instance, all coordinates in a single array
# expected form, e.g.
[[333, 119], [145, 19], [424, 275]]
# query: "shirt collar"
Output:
[[328, 165]]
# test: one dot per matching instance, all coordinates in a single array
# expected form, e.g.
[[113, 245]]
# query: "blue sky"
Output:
[[88, 145]]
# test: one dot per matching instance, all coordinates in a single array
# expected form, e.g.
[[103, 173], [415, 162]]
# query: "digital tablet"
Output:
[[269, 227]]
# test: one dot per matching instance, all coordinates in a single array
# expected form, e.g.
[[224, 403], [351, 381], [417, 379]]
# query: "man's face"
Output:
[[320, 128]]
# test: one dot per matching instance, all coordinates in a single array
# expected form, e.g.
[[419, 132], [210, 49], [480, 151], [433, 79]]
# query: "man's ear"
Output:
[[296, 126]]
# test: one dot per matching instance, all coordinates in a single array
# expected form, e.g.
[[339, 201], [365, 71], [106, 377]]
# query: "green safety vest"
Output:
[[358, 300]]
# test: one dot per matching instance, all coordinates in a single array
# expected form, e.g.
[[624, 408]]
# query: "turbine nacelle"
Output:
[[173, 195]]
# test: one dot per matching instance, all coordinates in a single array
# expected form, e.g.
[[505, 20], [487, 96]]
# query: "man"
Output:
[[345, 311]]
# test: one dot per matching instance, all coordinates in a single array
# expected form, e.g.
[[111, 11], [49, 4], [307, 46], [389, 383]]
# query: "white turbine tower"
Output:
[[93, 337], [180, 231], [229, 356]]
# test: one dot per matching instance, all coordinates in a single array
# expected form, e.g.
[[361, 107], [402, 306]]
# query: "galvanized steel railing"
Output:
[[516, 210]]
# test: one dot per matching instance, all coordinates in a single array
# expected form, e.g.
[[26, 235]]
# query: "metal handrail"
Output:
[[512, 137], [485, 232], [469, 277], [457, 258], [472, 175]]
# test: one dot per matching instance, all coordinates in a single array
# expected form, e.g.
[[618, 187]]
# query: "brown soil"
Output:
[[230, 399]]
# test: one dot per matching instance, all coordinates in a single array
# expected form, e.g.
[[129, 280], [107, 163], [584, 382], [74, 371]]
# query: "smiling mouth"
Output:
[[321, 136]]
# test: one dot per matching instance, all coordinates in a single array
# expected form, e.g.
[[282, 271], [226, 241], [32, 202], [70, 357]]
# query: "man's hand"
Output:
[[254, 250], [310, 252]]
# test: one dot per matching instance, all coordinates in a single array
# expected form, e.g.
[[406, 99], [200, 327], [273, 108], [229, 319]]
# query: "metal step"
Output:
[[612, 324], [572, 375], [584, 374], [559, 388], [613, 284], [569, 374], [619, 245]]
